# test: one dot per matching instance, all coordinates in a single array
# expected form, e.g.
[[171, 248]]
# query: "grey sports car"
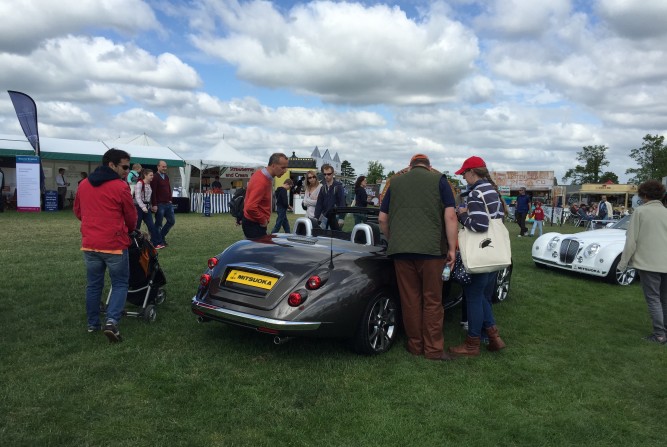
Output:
[[313, 282]]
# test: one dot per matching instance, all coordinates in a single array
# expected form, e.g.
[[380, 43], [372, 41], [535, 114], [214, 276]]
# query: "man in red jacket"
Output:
[[258, 197], [104, 206]]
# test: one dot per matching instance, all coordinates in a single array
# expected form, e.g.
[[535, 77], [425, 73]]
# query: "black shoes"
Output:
[[112, 332]]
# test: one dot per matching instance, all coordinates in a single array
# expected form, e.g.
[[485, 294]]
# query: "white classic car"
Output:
[[595, 252]]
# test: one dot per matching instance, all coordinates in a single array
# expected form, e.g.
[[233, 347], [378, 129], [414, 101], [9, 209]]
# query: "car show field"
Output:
[[575, 371]]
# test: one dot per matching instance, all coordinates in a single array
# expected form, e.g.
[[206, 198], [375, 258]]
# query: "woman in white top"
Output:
[[142, 200], [311, 191]]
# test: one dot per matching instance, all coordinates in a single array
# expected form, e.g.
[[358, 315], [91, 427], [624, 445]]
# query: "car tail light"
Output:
[[314, 282], [212, 263], [295, 299], [205, 279]]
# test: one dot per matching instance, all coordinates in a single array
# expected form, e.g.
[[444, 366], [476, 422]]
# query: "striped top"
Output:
[[476, 219]]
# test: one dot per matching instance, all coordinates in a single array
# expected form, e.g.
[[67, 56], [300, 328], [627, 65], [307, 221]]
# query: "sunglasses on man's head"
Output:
[[125, 167]]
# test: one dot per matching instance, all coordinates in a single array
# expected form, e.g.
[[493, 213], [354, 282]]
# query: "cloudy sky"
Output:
[[524, 84]]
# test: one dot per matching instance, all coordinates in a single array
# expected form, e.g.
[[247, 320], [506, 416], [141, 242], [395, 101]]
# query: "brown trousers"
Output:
[[420, 287]]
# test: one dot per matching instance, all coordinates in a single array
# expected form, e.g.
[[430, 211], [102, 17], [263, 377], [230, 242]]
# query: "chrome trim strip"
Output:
[[216, 312]]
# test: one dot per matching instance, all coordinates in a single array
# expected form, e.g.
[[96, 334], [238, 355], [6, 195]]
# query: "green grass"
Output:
[[575, 372]]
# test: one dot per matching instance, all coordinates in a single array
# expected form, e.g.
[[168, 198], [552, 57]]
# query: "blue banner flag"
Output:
[[26, 112]]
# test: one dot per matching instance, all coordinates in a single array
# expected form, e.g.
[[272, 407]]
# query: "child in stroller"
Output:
[[146, 279]]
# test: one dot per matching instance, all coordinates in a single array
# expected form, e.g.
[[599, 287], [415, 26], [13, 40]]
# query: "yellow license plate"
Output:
[[252, 279]]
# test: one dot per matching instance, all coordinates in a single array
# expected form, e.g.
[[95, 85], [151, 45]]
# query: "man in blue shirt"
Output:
[[522, 210]]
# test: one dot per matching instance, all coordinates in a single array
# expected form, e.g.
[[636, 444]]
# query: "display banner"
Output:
[[50, 200], [27, 183]]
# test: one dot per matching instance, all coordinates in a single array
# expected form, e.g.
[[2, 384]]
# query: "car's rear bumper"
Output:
[[230, 316]]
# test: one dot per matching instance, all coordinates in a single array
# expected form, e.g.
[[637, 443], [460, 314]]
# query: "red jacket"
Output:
[[259, 194], [104, 206], [539, 213]]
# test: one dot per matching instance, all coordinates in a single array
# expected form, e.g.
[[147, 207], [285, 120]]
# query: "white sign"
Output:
[[504, 190], [236, 173], [27, 183]]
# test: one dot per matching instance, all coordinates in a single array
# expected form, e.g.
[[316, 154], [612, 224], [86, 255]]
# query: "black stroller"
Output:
[[146, 279]]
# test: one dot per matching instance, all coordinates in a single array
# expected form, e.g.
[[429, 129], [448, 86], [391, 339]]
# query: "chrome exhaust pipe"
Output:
[[281, 340]]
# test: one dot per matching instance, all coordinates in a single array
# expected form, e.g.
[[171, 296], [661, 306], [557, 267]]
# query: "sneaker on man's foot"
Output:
[[655, 339], [518, 235], [112, 332], [92, 329], [159, 246]]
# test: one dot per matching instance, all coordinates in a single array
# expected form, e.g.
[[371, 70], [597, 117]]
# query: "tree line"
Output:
[[651, 159]]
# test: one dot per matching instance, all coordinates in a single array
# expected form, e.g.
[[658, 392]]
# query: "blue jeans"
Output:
[[281, 221], [478, 302], [145, 217], [536, 224], [119, 272], [165, 210]]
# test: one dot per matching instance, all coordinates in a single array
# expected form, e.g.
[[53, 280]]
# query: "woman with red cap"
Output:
[[483, 203]]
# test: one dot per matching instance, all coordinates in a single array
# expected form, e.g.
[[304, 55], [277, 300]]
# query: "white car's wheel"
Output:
[[621, 277]]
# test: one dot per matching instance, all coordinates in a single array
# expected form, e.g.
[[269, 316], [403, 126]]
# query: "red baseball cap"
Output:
[[471, 163]]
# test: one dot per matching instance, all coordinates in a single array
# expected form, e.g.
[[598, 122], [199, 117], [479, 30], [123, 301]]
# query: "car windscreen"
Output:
[[622, 224]]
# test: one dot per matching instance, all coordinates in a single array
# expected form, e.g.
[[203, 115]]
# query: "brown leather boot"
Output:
[[495, 342], [469, 348]]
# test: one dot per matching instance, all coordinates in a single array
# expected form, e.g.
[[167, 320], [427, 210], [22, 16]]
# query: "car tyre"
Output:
[[378, 326], [502, 289], [622, 278]]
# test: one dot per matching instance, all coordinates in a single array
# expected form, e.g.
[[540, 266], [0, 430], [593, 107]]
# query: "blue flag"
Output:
[[26, 112]]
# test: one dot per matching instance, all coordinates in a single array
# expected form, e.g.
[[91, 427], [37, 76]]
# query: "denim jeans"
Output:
[[145, 217], [166, 211], [478, 302], [281, 221], [119, 272], [536, 224]]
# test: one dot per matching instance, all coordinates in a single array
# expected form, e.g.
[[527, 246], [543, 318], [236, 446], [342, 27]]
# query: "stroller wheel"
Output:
[[149, 314], [161, 296]]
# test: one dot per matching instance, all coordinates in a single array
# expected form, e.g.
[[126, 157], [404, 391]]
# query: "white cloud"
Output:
[[522, 18], [636, 20], [26, 23], [95, 69], [344, 52]]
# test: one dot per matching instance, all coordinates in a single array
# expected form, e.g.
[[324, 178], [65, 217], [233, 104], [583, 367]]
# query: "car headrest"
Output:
[[362, 234], [303, 226]]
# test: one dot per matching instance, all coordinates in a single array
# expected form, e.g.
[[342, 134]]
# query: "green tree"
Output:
[[390, 173], [604, 178], [592, 159], [651, 158], [347, 175], [375, 172]]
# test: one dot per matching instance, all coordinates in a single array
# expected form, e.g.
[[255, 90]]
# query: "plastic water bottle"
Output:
[[446, 272]]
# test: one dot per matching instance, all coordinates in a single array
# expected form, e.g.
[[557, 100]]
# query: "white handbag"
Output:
[[486, 252]]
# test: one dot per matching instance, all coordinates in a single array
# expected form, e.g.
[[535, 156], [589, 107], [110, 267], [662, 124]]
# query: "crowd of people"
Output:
[[420, 230]]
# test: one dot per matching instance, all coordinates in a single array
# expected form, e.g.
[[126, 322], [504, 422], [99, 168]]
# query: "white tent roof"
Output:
[[82, 150], [223, 154]]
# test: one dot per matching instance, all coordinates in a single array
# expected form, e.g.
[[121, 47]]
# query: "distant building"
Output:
[[325, 158]]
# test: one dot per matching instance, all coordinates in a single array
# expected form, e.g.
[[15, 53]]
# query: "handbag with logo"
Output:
[[486, 252]]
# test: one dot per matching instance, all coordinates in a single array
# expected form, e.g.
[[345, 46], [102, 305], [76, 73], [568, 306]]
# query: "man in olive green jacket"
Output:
[[418, 218]]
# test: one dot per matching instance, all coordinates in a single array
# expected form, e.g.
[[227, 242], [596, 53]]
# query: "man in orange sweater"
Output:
[[258, 197]]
